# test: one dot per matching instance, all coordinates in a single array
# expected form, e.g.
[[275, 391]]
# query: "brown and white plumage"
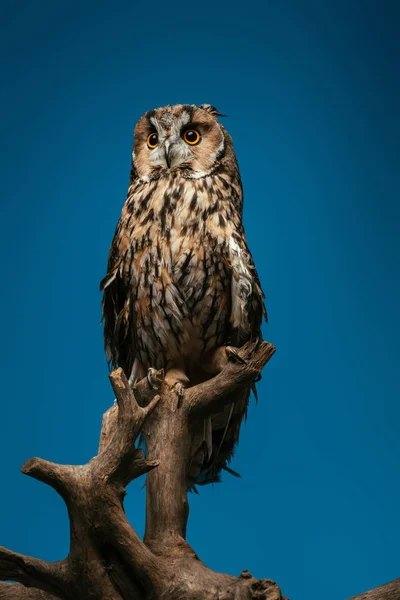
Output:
[[181, 281]]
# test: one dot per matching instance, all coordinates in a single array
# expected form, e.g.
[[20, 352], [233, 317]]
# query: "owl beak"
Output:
[[167, 153]]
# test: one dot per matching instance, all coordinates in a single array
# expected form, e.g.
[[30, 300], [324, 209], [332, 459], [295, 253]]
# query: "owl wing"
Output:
[[247, 312], [117, 303], [247, 298]]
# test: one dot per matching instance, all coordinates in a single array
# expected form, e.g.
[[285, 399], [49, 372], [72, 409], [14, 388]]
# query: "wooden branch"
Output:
[[59, 477], [209, 397], [108, 427], [120, 577], [389, 591], [16, 591], [32, 572], [132, 553], [119, 460], [169, 435], [93, 494], [167, 507], [107, 559]]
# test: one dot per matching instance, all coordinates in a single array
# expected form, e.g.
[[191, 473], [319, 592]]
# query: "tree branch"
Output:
[[107, 559], [119, 460], [59, 477], [108, 427], [167, 435], [389, 591], [130, 550], [212, 395], [17, 591], [32, 572]]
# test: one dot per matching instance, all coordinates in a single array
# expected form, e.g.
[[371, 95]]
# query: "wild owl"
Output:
[[181, 281]]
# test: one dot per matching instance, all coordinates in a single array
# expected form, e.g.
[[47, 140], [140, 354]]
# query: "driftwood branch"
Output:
[[120, 461], [209, 397], [389, 591], [32, 572], [17, 591], [59, 477], [107, 559]]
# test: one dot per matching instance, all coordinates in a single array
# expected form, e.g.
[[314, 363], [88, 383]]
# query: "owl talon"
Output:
[[254, 390], [234, 356], [179, 389], [154, 378], [257, 378], [177, 381]]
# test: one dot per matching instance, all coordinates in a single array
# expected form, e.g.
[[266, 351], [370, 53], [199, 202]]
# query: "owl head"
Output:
[[180, 136]]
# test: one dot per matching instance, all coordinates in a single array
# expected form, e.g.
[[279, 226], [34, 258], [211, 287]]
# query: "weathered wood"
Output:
[[389, 591], [16, 591], [49, 577], [212, 395], [167, 435], [107, 559]]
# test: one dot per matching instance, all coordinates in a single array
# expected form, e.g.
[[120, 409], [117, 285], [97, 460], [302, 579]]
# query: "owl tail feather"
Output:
[[225, 434], [232, 472], [225, 430], [208, 437], [211, 477]]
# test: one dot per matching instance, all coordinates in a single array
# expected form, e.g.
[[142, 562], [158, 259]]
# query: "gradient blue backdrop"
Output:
[[312, 93]]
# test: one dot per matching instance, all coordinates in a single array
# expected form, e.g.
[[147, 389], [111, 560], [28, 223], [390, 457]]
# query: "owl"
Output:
[[181, 281]]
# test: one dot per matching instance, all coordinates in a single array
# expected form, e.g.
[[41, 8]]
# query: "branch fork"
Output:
[[107, 559]]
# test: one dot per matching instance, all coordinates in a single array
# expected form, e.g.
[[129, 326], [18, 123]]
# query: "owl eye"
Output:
[[152, 140], [192, 136]]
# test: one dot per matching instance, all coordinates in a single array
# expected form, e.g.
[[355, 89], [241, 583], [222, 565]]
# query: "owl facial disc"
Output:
[[182, 136]]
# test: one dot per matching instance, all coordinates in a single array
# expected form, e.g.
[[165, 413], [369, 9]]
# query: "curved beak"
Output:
[[167, 154]]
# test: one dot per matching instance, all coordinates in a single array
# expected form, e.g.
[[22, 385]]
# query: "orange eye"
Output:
[[152, 140], [192, 137]]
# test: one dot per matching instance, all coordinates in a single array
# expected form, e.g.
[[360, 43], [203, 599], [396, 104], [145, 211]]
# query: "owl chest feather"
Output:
[[179, 272]]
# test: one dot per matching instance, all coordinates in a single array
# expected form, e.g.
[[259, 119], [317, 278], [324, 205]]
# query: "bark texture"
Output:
[[107, 560], [389, 591]]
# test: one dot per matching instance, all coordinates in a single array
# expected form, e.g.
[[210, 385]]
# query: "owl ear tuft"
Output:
[[212, 110]]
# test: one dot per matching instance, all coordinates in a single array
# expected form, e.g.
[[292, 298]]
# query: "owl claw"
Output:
[[177, 381], [257, 378], [179, 389], [154, 378], [234, 356], [149, 380]]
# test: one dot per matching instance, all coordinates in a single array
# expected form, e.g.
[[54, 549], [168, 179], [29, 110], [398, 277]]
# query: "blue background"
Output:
[[312, 94]]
